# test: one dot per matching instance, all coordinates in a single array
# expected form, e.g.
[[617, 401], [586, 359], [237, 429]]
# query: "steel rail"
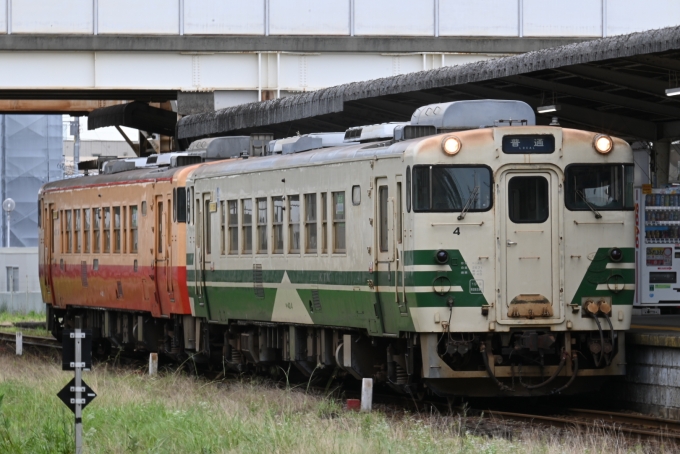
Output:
[[31, 340], [595, 416]]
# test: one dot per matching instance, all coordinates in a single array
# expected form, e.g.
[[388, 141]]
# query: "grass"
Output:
[[176, 413], [7, 318]]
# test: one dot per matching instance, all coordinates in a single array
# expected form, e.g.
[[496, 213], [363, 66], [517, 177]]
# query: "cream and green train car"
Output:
[[490, 257]]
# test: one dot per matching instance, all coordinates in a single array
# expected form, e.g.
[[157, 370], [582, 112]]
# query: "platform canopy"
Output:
[[615, 85]]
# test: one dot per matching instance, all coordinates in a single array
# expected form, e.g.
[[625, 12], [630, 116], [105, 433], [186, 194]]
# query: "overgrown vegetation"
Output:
[[177, 413]]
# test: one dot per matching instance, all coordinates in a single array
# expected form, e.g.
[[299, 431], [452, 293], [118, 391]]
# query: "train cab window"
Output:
[[445, 188], [116, 229], [233, 226], [87, 225], [180, 204], [408, 189], [310, 223], [339, 245], [277, 225], [76, 231], [262, 226], [324, 222], [107, 229], [400, 214], [528, 200], [294, 224], [69, 232], [223, 227], [97, 222], [133, 229], [247, 225], [603, 187]]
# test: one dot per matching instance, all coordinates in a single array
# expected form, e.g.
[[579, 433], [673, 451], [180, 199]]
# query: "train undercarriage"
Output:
[[517, 363]]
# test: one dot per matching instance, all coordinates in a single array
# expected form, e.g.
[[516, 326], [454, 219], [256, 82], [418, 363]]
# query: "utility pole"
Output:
[[75, 131]]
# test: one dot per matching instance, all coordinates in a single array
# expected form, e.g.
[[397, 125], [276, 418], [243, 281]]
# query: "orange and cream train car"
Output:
[[116, 242]]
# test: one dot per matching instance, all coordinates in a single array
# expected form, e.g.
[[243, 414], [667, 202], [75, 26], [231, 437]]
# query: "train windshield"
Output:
[[451, 188], [603, 187]]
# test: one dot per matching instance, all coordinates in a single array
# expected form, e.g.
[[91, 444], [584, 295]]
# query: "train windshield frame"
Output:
[[449, 188], [604, 187]]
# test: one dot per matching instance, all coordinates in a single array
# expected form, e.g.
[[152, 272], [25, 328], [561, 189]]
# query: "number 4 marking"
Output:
[[457, 231]]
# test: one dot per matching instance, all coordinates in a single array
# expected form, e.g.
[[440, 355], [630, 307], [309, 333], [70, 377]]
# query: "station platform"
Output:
[[655, 330], [652, 381]]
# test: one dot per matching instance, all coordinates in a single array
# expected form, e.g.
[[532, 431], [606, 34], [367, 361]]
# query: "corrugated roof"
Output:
[[334, 100]]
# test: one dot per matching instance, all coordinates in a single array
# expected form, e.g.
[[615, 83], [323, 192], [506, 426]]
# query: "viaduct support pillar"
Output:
[[662, 155]]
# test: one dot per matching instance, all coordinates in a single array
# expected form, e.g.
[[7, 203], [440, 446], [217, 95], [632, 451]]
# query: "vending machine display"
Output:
[[658, 244]]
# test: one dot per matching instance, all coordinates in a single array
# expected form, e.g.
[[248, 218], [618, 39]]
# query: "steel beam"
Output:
[[593, 95], [638, 83], [225, 43], [618, 125], [49, 106]]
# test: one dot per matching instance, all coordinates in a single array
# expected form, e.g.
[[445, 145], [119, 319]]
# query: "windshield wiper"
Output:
[[468, 204], [597, 215]]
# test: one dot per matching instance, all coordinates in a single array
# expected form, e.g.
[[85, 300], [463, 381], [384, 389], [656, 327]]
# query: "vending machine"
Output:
[[658, 247]]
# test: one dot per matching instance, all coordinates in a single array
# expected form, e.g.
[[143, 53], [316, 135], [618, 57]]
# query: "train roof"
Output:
[[130, 176], [313, 157]]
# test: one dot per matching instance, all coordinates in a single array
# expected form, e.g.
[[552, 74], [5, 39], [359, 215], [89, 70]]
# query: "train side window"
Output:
[[159, 214], [180, 201], [223, 227], [233, 226], [400, 214], [294, 224], [40, 214], [382, 201], [124, 224], [277, 225], [69, 232], [247, 224], [324, 222], [339, 245], [408, 189], [87, 224], [54, 215], [97, 222], [133, 229], [107, 229], [310, 223], [356, 195], [262, 226], [76, 231], [116, 229]]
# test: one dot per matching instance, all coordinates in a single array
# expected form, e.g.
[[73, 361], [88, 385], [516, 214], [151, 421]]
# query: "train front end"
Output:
[[525, 236]]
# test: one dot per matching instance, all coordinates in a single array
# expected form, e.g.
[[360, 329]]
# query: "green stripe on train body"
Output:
[[599, 275]]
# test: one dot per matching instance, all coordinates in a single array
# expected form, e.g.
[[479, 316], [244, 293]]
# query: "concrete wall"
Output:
[[531, 18], [26, 297]]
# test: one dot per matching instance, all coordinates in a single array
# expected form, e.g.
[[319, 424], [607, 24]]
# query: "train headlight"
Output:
[[603, 144], [441, 256], [615, 254], [451, 145]]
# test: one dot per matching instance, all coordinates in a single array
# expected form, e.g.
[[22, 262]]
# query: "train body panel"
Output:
[[114, 240]]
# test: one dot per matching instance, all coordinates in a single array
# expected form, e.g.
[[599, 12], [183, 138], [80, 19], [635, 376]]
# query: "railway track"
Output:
[[625, 423], [31, 340]]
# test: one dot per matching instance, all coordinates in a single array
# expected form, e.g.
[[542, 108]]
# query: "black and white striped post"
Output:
[[77, 356]]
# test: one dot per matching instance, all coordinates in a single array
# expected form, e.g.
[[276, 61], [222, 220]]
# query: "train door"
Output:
[[386, 272], [530, 245], [208, 208], [160, 260]]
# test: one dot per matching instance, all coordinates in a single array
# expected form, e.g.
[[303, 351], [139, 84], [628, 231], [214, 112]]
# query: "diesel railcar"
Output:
[[467, 252]]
